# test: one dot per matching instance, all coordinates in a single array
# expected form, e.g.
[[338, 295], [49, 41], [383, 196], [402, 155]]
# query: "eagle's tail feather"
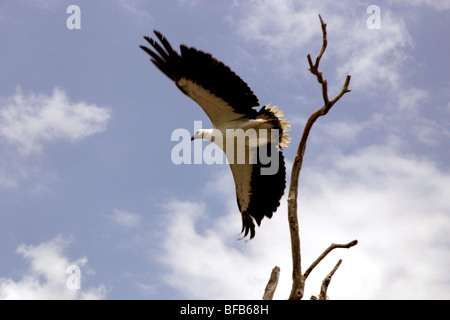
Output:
[[274, 116]]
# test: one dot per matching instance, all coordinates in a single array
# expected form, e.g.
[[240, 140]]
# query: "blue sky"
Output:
[[86, 176]]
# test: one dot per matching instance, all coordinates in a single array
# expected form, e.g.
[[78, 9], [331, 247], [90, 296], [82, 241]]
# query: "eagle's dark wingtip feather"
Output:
[[158, 34], [248, 226], [149, 40], [146, 49], [164, 57], [205, 71]]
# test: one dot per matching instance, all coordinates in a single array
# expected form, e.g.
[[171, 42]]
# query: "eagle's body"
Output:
[[247, 136]]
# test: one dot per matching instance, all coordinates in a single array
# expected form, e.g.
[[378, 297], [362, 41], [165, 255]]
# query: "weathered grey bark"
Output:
[[272, 284], [326, 282]]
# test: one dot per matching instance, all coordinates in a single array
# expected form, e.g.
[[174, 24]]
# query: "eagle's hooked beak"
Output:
[[192, 138]]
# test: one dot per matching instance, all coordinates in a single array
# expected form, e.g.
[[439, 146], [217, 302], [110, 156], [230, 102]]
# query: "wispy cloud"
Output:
[[48, 275], [125, 219], [438, 5], [281, 25], [46, 4], [135, 8], [286, 28], [373, 57], [28, 121]]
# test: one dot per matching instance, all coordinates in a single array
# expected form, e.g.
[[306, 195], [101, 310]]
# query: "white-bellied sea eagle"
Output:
[[252, 140]]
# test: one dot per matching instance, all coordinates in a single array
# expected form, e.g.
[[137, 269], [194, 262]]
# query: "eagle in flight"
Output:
[[251, 140]]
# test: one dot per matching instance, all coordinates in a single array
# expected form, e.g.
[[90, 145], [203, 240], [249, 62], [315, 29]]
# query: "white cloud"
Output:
[[394, 204], [373, 57], [282, 25], [410, 99], [204, 264], [290, 28], [343, 132], [27, 121], [47, 276], [125, 219]]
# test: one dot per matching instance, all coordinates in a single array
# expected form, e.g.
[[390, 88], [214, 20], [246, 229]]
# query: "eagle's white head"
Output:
[[205, 134]]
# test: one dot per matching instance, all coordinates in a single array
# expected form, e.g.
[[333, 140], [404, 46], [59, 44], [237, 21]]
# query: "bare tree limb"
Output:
[[314, 69], [272, 284], [326, 282], [327, 251], [298, 280]]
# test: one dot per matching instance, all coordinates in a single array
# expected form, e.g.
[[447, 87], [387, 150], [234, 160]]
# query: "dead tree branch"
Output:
[[272, 284], [326, 282], [327, 251], [298, 280]]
